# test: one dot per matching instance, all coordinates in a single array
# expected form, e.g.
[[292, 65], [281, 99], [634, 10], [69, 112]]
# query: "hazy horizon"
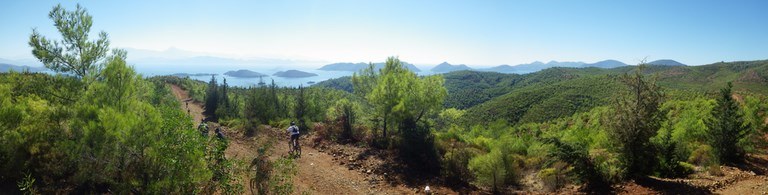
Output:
[[310, 34]]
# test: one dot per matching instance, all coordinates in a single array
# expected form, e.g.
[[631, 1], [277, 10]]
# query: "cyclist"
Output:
[[293, 130], [203, 128], [219, 134]]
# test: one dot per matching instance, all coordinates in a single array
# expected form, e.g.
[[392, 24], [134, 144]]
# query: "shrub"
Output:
[[608, 165], [281, 180], [668, 164], [323, 132], [686, 169], [714, 170], [489, 169], [577, 156], [417, 147], [554, 178], [455, 166], [702, 156]]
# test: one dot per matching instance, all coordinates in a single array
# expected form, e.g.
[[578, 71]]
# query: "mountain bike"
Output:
[[294, 148]]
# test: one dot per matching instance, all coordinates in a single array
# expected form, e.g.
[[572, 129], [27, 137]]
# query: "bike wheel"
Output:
[[254, 182], [298, 149]]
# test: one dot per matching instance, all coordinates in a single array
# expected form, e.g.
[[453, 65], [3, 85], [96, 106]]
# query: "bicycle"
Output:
[[294, 148]]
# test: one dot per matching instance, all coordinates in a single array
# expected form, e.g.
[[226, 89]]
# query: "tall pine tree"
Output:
[[637, 118], [212, 98], [224, 108], [300, 110], [726, 128]]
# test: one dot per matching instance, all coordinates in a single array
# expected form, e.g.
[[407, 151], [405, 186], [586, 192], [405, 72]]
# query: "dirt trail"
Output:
[[187, 105], [317, 172], [754, 181]]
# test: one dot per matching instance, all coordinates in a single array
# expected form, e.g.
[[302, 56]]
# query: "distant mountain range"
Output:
[[537, 66], [242, 73], [519, 69], [446, 67], [8, 67], [294, 74], [666, 62], [21, 65], [354, 67], [22, 62], [606, 64]]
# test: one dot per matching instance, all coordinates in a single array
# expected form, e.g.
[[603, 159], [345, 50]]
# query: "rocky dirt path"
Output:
[[754, 181], [187, 104], [317, 172]]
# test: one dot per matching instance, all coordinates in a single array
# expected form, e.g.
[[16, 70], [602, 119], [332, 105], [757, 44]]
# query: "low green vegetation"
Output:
[[98, 127]]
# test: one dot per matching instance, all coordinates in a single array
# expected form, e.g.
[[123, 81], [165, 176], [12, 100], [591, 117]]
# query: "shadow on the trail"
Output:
[[670, 187]]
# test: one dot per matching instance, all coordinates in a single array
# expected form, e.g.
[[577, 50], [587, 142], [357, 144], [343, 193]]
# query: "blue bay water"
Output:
[[322, 75]]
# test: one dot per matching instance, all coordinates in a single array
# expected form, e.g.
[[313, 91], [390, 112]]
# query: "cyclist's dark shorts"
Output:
[[294, 137]]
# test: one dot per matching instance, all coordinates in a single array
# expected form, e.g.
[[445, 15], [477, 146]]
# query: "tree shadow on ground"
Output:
[[670, 187], [758, 165]]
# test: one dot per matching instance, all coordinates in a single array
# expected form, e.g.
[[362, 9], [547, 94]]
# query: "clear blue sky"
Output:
[[427, 32]]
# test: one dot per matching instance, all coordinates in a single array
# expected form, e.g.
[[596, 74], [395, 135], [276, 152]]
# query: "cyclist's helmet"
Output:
[[293, 123]]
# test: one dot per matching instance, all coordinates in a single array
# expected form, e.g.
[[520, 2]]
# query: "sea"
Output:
[[322, 75]]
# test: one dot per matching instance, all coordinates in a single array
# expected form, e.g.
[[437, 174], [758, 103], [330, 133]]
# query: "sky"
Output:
[[480, 33]]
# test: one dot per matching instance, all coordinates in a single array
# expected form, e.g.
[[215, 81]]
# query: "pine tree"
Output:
[[301, 108], [224, 108], [637, 118], [73, 54], [211, 98], [726, 128]]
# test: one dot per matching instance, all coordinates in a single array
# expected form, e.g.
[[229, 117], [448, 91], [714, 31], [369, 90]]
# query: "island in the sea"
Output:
[[244, 74], [294, 74]]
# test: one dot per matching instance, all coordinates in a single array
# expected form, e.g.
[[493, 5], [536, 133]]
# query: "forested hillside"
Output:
[[560, 92], [564, 112]]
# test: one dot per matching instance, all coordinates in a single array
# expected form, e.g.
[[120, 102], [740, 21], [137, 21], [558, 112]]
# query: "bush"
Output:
[[323, 132], [223, 169], [417, 148], [489, 169], [554, 178], [583, 166], [251, 126], [281, 180], [702, 156], [455, 166], [668, 164], [686, 169], [714, 170], [608, 165]]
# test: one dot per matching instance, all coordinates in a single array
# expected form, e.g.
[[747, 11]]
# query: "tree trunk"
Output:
[[385, 127]]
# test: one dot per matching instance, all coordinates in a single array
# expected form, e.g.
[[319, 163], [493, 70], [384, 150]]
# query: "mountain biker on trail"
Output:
[[219, 134], [203, 128], [293, 130]]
